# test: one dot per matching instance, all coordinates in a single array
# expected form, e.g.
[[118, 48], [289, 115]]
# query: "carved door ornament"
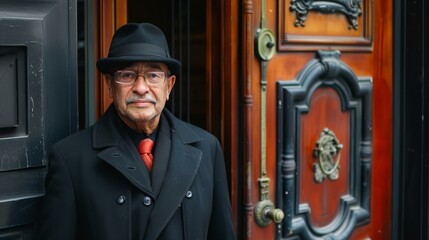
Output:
[[351, 8], [326, 72], [327, 151]]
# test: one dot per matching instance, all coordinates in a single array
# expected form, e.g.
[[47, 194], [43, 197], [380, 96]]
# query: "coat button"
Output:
[[120, 200], [188, 194], [147, 201]]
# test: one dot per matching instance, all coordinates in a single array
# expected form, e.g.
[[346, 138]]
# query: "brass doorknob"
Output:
[[265, 213], [275, 214]]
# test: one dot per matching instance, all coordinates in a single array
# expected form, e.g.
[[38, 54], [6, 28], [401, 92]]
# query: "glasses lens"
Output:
[[125, 76], [154, 77]]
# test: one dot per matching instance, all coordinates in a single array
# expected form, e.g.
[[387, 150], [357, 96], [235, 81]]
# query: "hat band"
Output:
[[139, 49]]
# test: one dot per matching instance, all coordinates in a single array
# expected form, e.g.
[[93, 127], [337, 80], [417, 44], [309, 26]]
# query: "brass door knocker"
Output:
[[327, 149]]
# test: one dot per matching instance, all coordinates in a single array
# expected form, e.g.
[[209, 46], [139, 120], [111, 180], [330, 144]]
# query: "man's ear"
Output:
[[171, 80], [109, 82]]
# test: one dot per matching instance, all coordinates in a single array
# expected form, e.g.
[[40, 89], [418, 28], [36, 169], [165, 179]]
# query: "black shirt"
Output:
[[135, 136]]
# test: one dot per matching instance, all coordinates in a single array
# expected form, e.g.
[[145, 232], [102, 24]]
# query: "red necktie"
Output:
[[145, 149]]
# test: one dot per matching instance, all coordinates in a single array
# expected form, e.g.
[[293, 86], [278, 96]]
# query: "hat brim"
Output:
[[107, 65]]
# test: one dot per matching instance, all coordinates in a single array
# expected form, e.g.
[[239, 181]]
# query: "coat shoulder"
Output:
[[188, 132], [80, 138]]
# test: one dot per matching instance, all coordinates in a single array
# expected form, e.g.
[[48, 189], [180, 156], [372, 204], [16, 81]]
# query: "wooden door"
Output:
[[108, 16], [315, 113]]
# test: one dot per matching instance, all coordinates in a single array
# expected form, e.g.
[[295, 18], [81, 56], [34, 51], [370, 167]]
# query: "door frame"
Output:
[[410, 131]]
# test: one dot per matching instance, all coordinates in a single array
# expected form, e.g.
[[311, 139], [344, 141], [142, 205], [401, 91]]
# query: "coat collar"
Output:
[[106, 132], [182, 129]]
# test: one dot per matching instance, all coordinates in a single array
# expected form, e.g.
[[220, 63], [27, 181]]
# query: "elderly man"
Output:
[[139, 172]]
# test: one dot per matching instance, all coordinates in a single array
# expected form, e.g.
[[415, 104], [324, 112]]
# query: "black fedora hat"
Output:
[[138, 42]]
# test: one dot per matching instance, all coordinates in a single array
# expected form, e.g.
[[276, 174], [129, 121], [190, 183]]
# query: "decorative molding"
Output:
[[358, 15], [293, 97], [350, 8], [247, 101]]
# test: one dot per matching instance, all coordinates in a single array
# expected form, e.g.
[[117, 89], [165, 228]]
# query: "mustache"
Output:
[[140, 98]]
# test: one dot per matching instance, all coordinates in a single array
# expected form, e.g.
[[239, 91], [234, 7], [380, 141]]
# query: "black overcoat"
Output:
[[97, 186]]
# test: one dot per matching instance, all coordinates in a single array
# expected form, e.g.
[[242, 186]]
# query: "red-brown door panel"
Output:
[[326, 111]]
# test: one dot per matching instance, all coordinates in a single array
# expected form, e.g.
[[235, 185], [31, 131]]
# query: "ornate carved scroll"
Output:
[[350, 8]]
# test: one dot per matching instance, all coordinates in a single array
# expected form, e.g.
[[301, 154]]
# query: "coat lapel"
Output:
[[183, 166], [117, 151], [161, 155], [130, 167]]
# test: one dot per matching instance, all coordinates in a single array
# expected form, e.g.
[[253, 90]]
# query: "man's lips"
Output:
[[140, 101]]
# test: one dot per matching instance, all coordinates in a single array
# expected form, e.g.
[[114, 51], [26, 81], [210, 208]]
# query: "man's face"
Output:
[[138, 103]]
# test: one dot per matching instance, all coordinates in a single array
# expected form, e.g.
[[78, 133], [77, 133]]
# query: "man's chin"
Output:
[[140, 116]]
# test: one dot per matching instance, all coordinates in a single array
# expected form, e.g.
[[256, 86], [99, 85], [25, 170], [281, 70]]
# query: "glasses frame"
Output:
[[166, 75]]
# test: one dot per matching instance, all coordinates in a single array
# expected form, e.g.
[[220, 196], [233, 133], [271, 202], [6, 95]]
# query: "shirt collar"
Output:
[[135, 136]]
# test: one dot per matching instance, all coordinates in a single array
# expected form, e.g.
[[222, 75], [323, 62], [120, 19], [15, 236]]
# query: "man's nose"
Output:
[[140, 85]]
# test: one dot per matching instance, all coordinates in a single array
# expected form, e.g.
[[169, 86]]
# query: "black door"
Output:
[[37, 102]]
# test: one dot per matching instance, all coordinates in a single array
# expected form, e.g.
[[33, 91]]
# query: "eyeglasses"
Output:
[[128, 77]]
